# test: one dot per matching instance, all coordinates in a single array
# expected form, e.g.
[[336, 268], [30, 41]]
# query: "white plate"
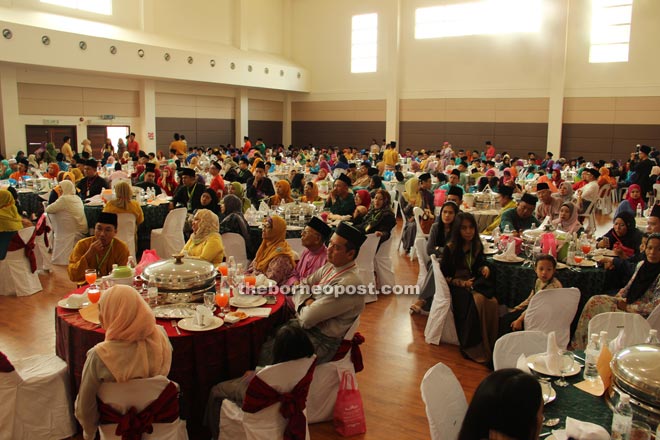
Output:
[[247, 301], [501, 260], [189, 324], [175, 311], [491, 251], [561, 266], [587, 263], [64, 304], [537, 363]]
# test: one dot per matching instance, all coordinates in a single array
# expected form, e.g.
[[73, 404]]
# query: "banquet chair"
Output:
[[169, 240], [636, 328], [65, 237], [266, 422], [145, 396], [590, 215], [16, 268], [440, 325], [5, 238], [366, 267], [604, 201], [296, 246], [654, 318], [126, 228], [553, 310], [445, 402], [42, 242], [43, 403], [9, 380], [325, 384], [509, 347], [417, 213], [234, 245], [383, 264], [422, 258], [395, 202]]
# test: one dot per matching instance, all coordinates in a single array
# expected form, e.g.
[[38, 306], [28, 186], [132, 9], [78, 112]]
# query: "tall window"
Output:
[[478, 18], [103, 7], [364, 43], [610, 31]]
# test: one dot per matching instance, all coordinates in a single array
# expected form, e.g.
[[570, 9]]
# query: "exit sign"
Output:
[[51, 122]]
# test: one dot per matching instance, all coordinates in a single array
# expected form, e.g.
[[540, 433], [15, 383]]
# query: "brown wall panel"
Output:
[[269, 131], [337, 133], [606, 141], [198, 132]]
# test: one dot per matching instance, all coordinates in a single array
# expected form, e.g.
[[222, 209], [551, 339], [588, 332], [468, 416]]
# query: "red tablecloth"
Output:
[[199, 360]]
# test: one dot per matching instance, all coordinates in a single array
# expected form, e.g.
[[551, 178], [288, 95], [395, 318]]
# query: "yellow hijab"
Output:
[[274, 246], [10, 220], [411, 194]]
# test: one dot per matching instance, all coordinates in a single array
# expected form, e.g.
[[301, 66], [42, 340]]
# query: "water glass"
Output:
[[640, 431], [566, 363], [209, 300]]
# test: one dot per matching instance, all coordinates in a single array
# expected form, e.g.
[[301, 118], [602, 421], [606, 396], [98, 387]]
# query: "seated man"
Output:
[[92, 184], [341, 201], [149, 179], [315, 254], [99, 252], [506, 203], [189, 193], [520, 218], [455, 194], [454, 179], [259, 187], [548, 206]]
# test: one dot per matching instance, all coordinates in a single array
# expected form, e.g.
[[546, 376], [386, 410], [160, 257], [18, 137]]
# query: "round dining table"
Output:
[[200, 360], [32, 202]]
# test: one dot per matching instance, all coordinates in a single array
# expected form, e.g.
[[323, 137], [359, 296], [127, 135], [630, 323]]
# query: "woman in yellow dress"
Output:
[[205, 242], [123, 203]]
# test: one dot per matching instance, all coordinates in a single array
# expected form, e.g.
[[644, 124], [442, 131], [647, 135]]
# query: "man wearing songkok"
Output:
[[259, 187], [315, 254], [548, 206], [520, 218], [506, 203], [363, 178], [454, 177], [455, 194], [92, 184], [653, 221], [341, 201], [99, 251], [149, 178], [190, 193]]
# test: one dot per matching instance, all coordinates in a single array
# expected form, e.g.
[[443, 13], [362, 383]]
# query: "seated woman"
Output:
[[290, 343], [641, 294], [274, 258], [282, 193], [565, 192], [123, 203], [322, 175], [507, 405], [205, 242], [311, 193], [70, 203], [209, 200], [237, 189], [232, 220], [380, 219], [568, 219], [167, 182], [410, 198], [632, 200], [134, 348], [52, 171], [475, 310], [57, 190], [362, 203], [624, 237]]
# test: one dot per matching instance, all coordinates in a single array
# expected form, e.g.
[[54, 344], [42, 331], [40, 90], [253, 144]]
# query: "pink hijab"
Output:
[[134, 346], [365, 197], [635, 202]]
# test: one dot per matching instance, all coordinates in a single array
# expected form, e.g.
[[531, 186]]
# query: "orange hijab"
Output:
[[274, 246], [314, 194], [286, 187]]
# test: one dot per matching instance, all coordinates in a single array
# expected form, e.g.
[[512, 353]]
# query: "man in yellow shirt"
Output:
[[178, 147], [390, 155]]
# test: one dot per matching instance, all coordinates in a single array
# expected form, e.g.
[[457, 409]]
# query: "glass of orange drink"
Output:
[[90, 276], [94, 293], [222, 299], [223, 269]]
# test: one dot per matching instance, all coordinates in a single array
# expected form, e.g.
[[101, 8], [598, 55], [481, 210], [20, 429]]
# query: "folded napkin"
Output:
[[91, 313], [580, 430], [263, 207], [94, 200], [202, 316], [510, 253], [259, 312], [544, 223], [77, 299], [521, 364], [551, 356], [263, 281], [620, 342]]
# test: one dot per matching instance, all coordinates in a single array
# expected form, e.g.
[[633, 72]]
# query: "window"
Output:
[[364, 43], [478, 18], [610, 31], [103, 7]]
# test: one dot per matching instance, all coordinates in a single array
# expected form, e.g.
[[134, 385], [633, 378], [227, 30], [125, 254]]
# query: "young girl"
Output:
[[546, 265]]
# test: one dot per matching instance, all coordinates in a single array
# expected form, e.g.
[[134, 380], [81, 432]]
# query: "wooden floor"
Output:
[[395, 354]]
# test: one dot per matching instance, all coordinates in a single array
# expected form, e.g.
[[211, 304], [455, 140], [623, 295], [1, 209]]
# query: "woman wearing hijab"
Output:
[[166, 181], [209, 200], [311, 193], [556, 176], [205, 242], [641, 294], [362, 203], [56, 192], [122, 203], [632, 200], [322, 175], [507, 177], [624, 237], [52, 171], [568, 219], [232, 220], [10, 219], [70, 203], [5, 169], [237, 189], [134, 348], [274, 258], [565, 192], [380, 219], [282, 193]]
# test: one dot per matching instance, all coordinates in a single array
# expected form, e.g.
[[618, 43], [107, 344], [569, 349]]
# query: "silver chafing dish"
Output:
[[636, 372], [181, 280], [296, 213]]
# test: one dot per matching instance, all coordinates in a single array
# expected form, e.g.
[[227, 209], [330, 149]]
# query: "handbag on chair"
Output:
[[426, 221]]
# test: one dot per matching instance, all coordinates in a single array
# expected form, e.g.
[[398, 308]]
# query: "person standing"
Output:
[[66, 149], [132, 146]]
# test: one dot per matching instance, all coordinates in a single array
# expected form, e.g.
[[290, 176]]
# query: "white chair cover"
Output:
[[509, 347], [440, 326], [169, 239], [418, 212], [654, 318], [296, 246], [139, 393], [604, 201], [383, 264], [65, 236], [366, 267], [235, 246], [18, 278], [553, 310], [9, 383], [126, 227], [41, 251], [268, 423], [422, 258], [445, 402], [325, 385], [43, 404], [636, 328]]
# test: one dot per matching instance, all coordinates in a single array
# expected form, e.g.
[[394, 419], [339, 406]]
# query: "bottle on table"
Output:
[[591, 359], [622, 417], [653, 337], [152, 291], [639, 210], [603, 339]]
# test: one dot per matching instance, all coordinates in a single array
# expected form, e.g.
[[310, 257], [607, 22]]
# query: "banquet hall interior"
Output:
[[527, 75]]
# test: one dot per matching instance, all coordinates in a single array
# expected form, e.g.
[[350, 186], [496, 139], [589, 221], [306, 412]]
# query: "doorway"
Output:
[[36, 135]]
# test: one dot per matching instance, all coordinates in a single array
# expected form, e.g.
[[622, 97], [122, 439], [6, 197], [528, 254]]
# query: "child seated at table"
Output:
[[546, 266]]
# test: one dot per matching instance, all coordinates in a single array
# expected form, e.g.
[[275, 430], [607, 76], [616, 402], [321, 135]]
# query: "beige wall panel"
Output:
[[105, 108], [589, 117], [470, 104], [175, 99], [214, 113], [339, 111], [522, 104], [49, 92], [470, 115], [214, 101], [175, 111], [638, 103], [41, 107], [581, 104], [521, 116], [262, 110], [108, 95], [637, 117], [422, 104], [422, 115]]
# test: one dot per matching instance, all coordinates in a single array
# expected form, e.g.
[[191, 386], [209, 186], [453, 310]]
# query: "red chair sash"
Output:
[[43, 228], [356, 354], [131, 426], [260, 395], [17, 243], [5, 365]]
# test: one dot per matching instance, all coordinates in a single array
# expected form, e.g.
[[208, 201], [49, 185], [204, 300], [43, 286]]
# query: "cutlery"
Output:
[[545, 434], [175, 324]]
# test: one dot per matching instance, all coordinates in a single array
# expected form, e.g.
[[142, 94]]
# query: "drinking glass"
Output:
[[640, 431], [93, 293], [222, 299], [566, 362], [585, 246], [578, 258], [90, 276], [209, 300], [239, 281], [223, 269], [529, 252]]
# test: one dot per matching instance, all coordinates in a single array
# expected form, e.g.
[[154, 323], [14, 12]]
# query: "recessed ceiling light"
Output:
[[212, 63], [250, 68], [190, 60], [232, 66]]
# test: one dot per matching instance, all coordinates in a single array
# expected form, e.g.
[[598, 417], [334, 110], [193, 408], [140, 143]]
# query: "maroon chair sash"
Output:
[[17, 243], [131, 426], [42, 228], [5, 365], [356, 354], [260, 395]]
